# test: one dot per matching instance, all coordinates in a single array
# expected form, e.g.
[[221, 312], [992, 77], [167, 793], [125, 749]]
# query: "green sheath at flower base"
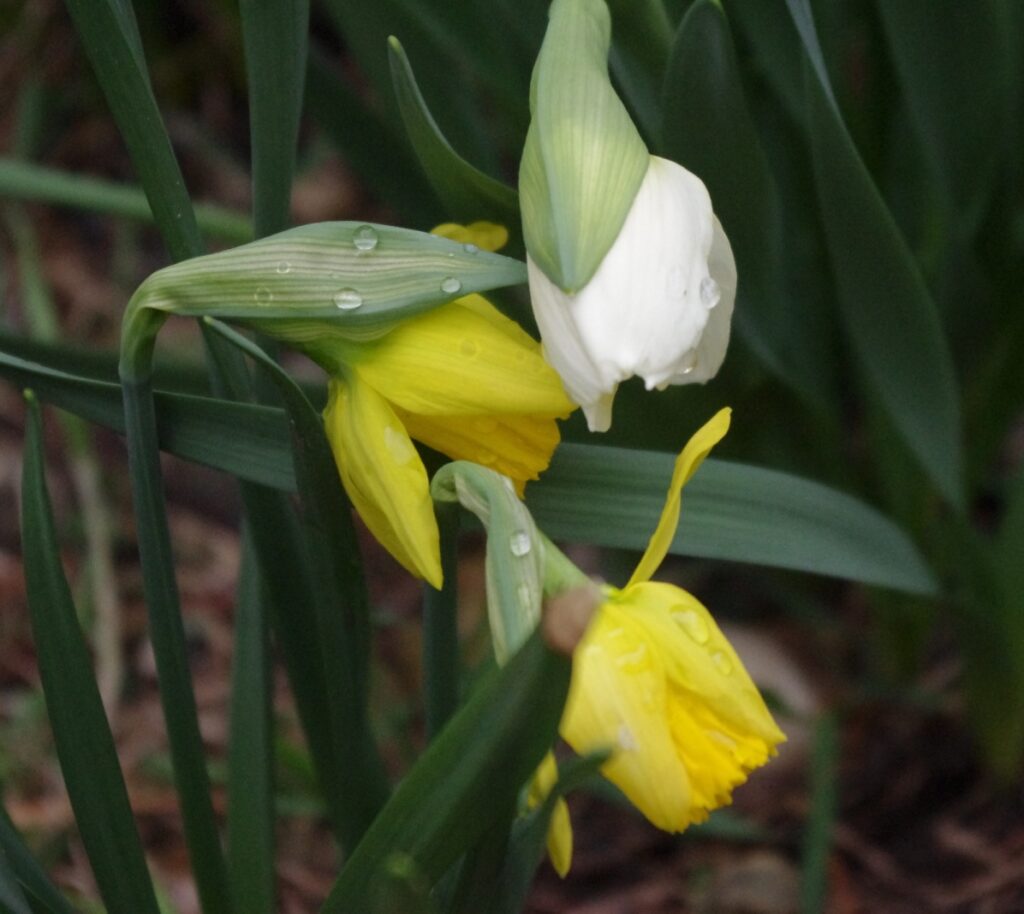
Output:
[[584, 160], [359, 277]]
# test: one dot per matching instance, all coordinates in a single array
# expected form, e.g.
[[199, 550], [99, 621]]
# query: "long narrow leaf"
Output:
[[108, 31], [276, 38], [707, 127], [12, 898], [609, 496], [467, 778], [25, 181], [343, 611], [889, 314], [468, 192], [250, 755], [30, 875], [85, 745]]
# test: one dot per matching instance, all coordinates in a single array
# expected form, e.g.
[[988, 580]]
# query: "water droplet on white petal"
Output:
[[365, 238], [710, 293], [347, 299], [450, 285], [470, 248], [284, 267], [519, 543], [690, 363], [263, 295]]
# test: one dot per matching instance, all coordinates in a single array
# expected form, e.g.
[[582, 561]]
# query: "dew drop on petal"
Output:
[[525, 595], [347, 299], [365, 238], [721, 660], [470, 248], [450, 285], [469, 347], [691, 623], [710, 293], [691, 362], [284, 267], [519, 543], [398, 444], [263, 295]]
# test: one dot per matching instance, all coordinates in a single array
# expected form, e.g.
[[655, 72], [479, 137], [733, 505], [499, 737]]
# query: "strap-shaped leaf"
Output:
[[23, 866], [609, 496], [85, 745], [467, 778], [891, 319], [343, 610], [706, 126], [467, 192], [108, 31], [584, 160], [12, 898]]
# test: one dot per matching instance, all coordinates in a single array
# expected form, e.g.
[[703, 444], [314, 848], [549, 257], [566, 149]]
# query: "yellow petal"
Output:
[[559, 838], [454, 361], [687, 463], [519, 447], [488, 236], [383, 475], [618, 699]]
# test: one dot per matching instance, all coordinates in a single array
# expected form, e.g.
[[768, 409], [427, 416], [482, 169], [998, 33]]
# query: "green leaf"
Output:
[[84, 743], [584, 160], [613, 497], [706, 127], [954, 98], [30, 875], [108, 31], [468, 193], [890, 317], [602, 495], [250, 747], [25, 181], [12, 898], [821, 821], [275, 33], [441, 655], [371, 146], [468, 777], [342, 604]]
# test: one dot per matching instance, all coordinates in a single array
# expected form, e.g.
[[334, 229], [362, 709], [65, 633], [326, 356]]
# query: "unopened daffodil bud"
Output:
[[630, 271]]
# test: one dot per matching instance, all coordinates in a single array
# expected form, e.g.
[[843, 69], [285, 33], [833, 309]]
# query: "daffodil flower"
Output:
[[630, 271], [462, 379], [655, 680]]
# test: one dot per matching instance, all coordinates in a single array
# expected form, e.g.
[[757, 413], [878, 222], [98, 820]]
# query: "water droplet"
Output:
[[633, 660], [710, 293], [525, 595], [626, 739], [284, 267], [450, 285], [469, 347], [692, 623], [365, 238], [722, 661], [347, 299], [263, 295], [398, 444], [520, 544], [691, 362], [470, 248]]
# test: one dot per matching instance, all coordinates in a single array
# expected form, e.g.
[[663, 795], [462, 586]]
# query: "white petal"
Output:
[[642, 312]]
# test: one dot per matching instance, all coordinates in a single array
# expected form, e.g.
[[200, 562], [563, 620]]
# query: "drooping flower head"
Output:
[[655, 680], [630, 271]]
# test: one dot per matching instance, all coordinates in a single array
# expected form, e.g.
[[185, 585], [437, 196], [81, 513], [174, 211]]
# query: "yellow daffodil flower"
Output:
[[462, 379], [655, 679]]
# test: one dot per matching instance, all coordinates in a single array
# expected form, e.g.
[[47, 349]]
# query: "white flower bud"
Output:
[[659, 304]]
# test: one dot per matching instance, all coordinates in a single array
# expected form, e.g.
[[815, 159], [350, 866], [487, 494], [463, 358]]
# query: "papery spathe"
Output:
[[659, 305]]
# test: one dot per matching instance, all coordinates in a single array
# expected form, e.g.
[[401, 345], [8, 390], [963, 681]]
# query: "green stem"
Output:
[[440, 628], [167, 633]]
